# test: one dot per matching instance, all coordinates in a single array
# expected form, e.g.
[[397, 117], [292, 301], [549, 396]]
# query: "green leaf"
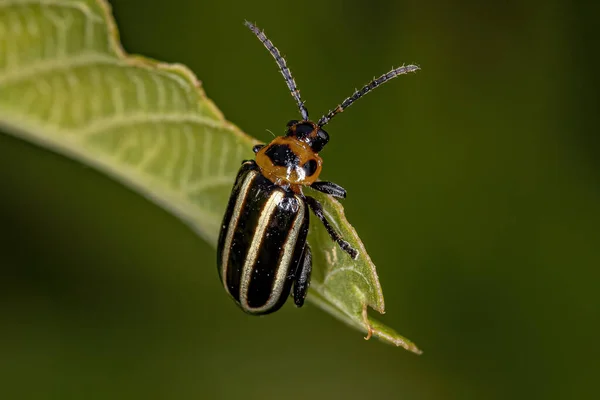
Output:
[[345, 287], [67, 85]]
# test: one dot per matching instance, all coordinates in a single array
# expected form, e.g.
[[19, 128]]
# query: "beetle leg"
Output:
[[330, 188], [302, 280], [256, 148], [318, 210]]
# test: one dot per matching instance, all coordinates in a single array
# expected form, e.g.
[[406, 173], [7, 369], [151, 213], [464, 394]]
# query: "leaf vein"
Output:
[[62, 25], [131, 119], [188, 166], [336, 271], [171, 162], [83, 8], [14, 75], [153, 151], [207, 151]]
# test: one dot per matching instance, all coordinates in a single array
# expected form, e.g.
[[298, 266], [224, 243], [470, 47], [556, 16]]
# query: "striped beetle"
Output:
[[262, 250]]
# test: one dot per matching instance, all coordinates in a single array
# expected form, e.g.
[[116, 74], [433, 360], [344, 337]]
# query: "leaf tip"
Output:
[[374, 328]]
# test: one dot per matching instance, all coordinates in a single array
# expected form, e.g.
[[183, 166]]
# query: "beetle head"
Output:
[[309, 132]]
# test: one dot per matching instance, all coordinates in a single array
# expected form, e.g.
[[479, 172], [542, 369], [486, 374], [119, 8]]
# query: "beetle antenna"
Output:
[[360, 93], [283, 68]]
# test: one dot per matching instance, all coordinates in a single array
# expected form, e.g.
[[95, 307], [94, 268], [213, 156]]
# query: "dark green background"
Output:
[[475, 185]]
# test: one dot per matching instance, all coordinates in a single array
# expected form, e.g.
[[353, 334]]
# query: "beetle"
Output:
[[262, 250]]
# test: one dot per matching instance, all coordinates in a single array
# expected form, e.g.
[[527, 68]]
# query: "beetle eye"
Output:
[[310, 167], [320, 141], [322, 135]]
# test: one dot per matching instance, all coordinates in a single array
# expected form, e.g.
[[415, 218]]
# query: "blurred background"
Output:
[[475, 185]]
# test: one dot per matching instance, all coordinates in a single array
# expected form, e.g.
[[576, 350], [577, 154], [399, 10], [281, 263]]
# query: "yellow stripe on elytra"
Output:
[[259, 233], [233, 222], [282, 268]]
